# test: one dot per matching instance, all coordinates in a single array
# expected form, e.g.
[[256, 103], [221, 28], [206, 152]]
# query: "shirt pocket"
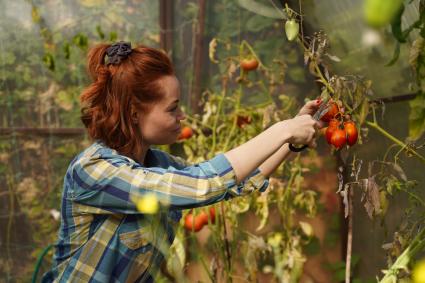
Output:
[[134, 240]]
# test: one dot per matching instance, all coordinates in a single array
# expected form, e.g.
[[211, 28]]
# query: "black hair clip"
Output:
[[117, 52]]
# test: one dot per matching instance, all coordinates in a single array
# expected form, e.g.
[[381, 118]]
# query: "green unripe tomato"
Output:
[[379, 13], [292, 29]]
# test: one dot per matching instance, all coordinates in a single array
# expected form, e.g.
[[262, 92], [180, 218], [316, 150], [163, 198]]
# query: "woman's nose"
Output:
[[182, 116]]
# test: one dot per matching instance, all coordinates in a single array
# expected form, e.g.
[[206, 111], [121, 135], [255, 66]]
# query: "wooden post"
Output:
[[166, 25], [195, 95]]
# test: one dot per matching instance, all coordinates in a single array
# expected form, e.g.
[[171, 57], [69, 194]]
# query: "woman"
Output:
[[131, 105]]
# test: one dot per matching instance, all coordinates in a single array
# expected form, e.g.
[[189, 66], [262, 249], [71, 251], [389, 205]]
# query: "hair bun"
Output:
[[117, 52]]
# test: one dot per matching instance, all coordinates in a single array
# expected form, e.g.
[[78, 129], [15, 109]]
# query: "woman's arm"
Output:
[[272, 163], [250, 155]]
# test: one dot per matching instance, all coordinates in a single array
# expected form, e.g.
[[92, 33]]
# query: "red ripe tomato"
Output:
[[204, 216], [338, 138], [186, 133], [333, 125], [351, 130], [212, 214], [332, 111], [249, 64], [192, 223], [243, 120]]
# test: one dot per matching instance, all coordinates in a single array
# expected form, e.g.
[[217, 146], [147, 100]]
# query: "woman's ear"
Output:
[[134, 115]]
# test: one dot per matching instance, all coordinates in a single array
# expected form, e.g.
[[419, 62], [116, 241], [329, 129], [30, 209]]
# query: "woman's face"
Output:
[[162, 124]]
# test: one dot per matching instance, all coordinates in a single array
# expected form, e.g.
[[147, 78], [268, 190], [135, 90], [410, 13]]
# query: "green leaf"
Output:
[[396, 26], [81, 40], [396, 54], [257, 23], [49, 61], [417, 117], [67, 50], [100, 33], [261, 9], [113, 36]]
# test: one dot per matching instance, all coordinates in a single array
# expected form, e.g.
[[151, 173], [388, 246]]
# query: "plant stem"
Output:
[[416, 245], [349, 237], [226, 241], [394, 139], [214, 127], [322, 78]]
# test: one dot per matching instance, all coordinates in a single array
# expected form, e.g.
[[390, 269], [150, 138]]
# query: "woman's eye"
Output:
[[174, 109]]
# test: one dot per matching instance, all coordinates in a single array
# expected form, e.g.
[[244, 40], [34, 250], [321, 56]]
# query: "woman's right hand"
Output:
[[302, 129]]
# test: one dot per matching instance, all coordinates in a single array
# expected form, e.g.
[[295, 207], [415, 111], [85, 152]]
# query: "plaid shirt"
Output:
[[103, 238]]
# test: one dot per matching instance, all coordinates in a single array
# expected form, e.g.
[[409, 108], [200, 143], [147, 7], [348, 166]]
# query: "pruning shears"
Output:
[[323, 109]]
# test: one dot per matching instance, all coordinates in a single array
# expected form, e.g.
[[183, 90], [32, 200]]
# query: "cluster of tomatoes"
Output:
[[341, 129], [196, 222]]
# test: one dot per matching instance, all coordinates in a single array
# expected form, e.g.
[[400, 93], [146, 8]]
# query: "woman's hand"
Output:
[[310, 108], [302, 130]]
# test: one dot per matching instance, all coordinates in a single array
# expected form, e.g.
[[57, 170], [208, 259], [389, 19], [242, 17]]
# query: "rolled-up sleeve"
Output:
[[112, 183], [255, 181]]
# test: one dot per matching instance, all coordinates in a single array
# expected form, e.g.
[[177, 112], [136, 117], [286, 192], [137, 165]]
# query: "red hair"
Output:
[[106, 102]]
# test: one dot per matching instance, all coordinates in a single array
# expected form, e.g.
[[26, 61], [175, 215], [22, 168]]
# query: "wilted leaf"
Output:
[[417, 117], [262, 209], [371, 197], [92, 3], [212, 50], [306, 228], [176, 259], [35, 15], [417, 48], [333, 57], [344, 195], [240, 205], [65, 100]]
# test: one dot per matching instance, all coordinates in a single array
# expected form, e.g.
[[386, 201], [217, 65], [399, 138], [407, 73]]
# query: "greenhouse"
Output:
[[212, 141]]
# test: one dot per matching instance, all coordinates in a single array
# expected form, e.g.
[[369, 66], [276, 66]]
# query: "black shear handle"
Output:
[[297, 149]]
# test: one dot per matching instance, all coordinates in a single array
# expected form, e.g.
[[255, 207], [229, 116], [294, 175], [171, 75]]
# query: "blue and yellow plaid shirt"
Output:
[[103, 238]]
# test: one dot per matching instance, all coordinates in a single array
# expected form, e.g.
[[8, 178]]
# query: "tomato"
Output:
[[379, 13], [212, 214], [332, 111], [204, 216], [192, 223], [351, 130], [249, 64], [241, 121], [292, 29], [186, 133], [338, 138], [333, 125]]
